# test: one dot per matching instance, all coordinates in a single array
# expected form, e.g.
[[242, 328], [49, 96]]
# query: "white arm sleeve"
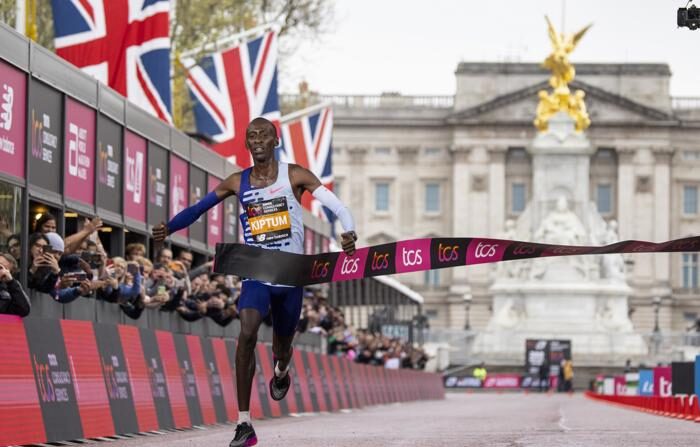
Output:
[[333, 203]]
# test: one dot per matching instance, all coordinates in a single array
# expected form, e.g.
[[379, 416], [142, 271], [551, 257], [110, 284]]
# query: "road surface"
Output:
[[478, 419]]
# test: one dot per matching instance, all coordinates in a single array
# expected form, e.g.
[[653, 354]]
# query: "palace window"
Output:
[[432, 198], [690, 270], [603, 198], [381, 196], [690, 199], [518, 197]]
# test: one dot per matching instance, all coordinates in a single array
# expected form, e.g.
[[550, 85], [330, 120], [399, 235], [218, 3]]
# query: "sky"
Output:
[[413, 47]]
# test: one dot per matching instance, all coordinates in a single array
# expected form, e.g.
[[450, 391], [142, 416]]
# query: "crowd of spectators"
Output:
[[359, 345], [80, 267]]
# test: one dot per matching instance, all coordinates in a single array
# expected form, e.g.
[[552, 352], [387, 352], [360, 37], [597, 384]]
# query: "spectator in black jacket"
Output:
[[13, 300]]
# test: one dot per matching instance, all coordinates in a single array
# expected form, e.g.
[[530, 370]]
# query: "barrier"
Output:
[[684, 407], [65, 379]]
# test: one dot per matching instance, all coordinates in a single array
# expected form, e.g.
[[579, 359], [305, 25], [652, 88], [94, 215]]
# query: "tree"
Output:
[[196, 23]]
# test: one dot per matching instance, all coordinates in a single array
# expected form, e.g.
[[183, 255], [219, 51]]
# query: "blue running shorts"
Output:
[[284, 303]]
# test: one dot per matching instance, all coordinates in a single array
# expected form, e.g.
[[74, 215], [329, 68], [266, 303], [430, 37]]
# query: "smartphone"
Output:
[[132, 269], [161, 289], [79, 276]]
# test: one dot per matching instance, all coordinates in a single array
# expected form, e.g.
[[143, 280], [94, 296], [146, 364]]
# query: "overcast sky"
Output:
[[413, 46]]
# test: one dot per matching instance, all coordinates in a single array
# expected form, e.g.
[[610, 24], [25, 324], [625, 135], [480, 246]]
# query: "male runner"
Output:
[[270, 197]]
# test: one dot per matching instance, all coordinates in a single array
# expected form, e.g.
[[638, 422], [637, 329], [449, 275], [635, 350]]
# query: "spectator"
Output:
[[13, 299], [124, 284], [46, 223], [14, 248], [43, 266], [544, 376], [164, 256], [568, 375], [134, 251], [480, 372], [186, 257], [74, 241], [75, 276]]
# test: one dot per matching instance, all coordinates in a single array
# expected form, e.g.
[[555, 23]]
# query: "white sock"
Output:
[[279, 373], [243, 416]]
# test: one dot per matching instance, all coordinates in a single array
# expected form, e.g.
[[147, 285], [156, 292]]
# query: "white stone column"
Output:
[[662, 211]]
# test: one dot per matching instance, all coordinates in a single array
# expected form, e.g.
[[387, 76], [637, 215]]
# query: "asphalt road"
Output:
[[459, 420]]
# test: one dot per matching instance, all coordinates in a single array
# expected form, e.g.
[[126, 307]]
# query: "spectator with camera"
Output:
[[75, 275], [13, 299], [43, 265]]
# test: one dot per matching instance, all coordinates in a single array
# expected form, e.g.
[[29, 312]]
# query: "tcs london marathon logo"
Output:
[[481, 251], [381, 260], [351, 267], [448, 252], [413, 255], [322, 267]]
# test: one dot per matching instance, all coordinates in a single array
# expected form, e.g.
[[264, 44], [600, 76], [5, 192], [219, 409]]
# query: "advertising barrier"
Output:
[[64, 380]]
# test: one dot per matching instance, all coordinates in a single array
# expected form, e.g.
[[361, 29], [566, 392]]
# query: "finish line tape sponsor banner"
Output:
[[408, 256], [63, 380]]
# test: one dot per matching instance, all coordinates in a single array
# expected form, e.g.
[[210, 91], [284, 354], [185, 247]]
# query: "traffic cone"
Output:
[[679, 412], [692, 410]]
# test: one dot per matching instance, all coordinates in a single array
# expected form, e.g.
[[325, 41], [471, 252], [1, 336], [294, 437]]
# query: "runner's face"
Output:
[[261, 141]]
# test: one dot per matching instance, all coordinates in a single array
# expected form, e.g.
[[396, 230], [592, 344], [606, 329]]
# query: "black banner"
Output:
[[260, 386], [230, 220], [189, 381], [683, 378], [46, 137], [198, 189], [109, 165], [116, 375], [214, 378], [407, 256], [157, 184], [55, 381], [156, 375]]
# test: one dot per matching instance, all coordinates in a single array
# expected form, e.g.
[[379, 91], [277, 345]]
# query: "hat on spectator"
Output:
[[56, 241]]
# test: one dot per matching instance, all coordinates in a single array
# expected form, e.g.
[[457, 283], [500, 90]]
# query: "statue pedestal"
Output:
[[577, 298]]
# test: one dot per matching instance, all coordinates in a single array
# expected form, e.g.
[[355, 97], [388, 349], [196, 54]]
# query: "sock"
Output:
[[279, 373], [243, 416]]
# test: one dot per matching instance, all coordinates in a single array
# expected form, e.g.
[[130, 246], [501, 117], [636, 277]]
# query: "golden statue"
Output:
[[563, 72]]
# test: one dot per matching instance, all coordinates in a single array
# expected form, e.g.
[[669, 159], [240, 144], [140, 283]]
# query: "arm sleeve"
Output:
[[333, 203], [189, 215]]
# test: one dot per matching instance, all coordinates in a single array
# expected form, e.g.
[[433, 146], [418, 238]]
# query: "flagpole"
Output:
[[230, 41], [299, 113], [21, 16]]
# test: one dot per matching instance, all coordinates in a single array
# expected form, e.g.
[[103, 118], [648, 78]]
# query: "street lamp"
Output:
[[656, 335], [657, 305]]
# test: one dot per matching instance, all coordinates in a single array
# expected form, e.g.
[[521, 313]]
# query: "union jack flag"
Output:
[[123, 43], [230, 88], [306, 141]]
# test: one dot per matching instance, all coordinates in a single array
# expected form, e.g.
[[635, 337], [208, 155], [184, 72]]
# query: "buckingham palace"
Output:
[[426, 166]]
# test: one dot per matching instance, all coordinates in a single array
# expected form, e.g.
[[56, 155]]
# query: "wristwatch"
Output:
[[353, 234]]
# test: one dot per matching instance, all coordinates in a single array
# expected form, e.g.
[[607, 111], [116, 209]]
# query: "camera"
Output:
[[689, 17]]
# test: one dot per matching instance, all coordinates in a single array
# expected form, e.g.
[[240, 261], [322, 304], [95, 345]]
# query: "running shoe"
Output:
[[279, 386], [244, 437]]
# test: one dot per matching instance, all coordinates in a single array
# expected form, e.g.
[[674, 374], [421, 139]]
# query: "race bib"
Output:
[[269, 220]]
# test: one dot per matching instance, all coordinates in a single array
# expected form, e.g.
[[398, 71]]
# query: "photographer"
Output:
[[161, 289], [122, 281], [13, 300], [43, 265], [74, 279]]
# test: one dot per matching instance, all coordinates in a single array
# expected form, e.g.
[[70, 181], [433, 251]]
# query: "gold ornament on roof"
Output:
[[561, 99]]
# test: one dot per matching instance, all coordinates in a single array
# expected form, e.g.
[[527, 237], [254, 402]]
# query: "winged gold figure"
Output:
[[563, 72]]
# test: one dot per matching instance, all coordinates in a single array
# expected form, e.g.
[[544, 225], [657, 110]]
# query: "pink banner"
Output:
[[79, 159], [215, 219], [662, 381], [134, 177], [502, 381], [13, 117], [179, 187], [620, 385]]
